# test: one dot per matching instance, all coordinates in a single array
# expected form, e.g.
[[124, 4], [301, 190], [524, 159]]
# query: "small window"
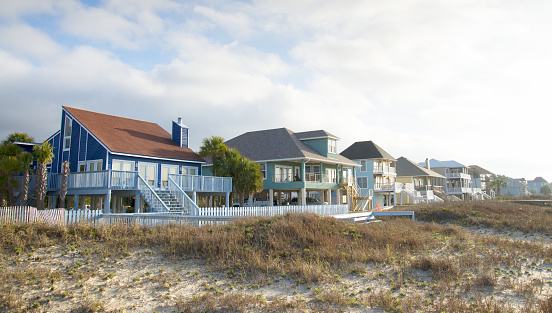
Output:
[[67, 134], [362, 182], [332, 146], [363, 165], [263, 169]]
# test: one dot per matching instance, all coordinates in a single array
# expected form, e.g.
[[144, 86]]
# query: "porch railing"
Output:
[[190, 183], [182, 197], [384, 186], [150, 196], [309, 177], [384, 169], [96, 180]]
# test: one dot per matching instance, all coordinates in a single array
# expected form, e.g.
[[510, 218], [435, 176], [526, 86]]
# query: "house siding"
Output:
[[54, 142], [95, 151]]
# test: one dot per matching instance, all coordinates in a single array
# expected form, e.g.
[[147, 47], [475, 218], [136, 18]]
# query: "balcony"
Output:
[[426, 187], [384, 187], [456, 174], [384, 170], [194, 183], [123, 180], [309, 177]]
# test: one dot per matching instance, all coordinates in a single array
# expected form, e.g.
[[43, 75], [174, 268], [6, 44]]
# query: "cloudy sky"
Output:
[[463, 79]]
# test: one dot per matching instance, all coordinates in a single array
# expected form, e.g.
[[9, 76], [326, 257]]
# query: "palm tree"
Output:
[[43, 154], [18, 136], [498, 182], [8, 167], [215, 149], [25, 159], [63, 186]]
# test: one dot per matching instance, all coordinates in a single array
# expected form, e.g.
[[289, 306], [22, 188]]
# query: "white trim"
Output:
[[155, 158], [70, 120], [147, 164], [101, 143], [52, 137]]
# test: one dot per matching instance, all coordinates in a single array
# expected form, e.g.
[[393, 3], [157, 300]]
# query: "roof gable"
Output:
[[452, 163], [315, 134], [366, 150], [480, 170], [278, 144], [129, 136], [408, 168]]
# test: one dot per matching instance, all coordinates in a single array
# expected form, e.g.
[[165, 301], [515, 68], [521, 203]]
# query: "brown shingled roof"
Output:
[[125, 135]]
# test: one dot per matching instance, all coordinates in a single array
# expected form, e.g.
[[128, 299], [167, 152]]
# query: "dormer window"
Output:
[[332, 146], [67, 134]]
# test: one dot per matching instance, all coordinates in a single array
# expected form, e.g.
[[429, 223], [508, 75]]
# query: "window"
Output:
[[283, 174], [167, 170], [188, 170], [362, 182], [331, 175], [263, 169], [67, 134], [332, 146], [363, 165]]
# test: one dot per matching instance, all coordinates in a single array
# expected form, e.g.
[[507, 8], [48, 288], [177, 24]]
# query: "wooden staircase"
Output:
[[357, 202], [171, 202]]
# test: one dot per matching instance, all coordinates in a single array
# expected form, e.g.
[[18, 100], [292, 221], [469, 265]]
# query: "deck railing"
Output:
[[150, 196], [309, 177], [96, 180], [384, 169], [182, 197], [202, 183]]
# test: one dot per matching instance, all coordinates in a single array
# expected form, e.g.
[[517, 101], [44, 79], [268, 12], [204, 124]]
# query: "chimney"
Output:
[[180, 133], [427, 164]]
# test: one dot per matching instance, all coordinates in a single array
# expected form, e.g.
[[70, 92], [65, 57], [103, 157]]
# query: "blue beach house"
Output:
[[116, 161]]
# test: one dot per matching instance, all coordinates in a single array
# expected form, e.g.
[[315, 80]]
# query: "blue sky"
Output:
[[464, 79]]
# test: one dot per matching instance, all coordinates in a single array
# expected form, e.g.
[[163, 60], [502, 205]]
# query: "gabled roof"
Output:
[[279, 144], [453, 163], [516, 182], [433, 163], [315, 134], [366, 150], [480, 170], [408, 168], [539, 180], [125, 135]]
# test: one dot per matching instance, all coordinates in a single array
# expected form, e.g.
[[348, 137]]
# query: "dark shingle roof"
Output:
[[125, 135], [278, 144], [408, 168], [480, 170], [366, 150], [315, 134]]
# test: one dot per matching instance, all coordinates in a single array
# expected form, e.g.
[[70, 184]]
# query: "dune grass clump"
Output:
[[409, 267], [499, 215]]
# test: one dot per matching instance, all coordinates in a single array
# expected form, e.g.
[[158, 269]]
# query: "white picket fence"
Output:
[[206, 216], [25, 214], [270, 211]]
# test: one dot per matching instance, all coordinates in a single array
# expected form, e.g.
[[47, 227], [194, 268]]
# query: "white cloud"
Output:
[[28, 41], [13, 10], [453, 80], [239, 24]]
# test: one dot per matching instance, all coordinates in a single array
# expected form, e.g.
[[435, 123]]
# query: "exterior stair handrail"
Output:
[[183, 197], [151, 197]]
